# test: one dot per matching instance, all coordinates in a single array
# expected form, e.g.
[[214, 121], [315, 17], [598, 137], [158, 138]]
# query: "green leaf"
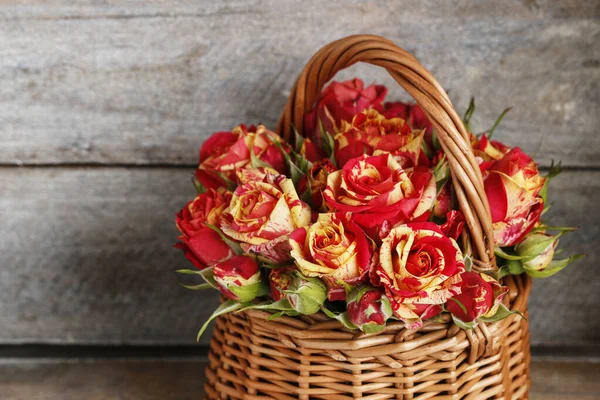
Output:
[[553, 172], [464, 325], [231, 185], [198, 185], [237, 249], [257, 162], [206, 274], [201, 286], [189, 271], [280, 305], [502, 313], [343, 318], [503, 254], [328, 143], [469, 114], [225, 308], [514, 267], [275, 316], [502, 115], [298, 140], [554, 267]]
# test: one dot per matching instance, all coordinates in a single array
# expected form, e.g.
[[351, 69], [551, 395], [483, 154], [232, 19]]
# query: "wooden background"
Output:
[[103, 106]]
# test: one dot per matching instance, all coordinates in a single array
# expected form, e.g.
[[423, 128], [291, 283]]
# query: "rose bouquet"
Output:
[[358, 219]]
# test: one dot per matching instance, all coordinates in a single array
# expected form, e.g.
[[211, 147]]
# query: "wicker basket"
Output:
[[315, 357]]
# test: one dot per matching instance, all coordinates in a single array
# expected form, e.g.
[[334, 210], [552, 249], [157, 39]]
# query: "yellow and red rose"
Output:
[[315, 182], [512, 185], [264, 210], [480, 296], [226, 152], [376, 189], [239, 278], [372, 133], [419, 268], [201, 244], [334, 249]]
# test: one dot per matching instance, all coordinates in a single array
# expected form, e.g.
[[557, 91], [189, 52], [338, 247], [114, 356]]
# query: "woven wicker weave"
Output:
[[315, 357]]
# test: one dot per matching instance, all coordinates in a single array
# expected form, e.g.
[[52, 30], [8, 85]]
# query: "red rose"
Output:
[[340, 101], [226, 152], [239, 278], [376, 189], [315, 181], [371, 133], [419, 268], [512, 185], [480, 295], [202, 245]]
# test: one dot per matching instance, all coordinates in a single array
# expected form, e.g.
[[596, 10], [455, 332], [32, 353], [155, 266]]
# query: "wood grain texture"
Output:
[[86, 258], [183, 379], [145, 82]]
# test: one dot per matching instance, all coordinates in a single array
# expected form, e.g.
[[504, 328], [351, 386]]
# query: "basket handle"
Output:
[[429, 94]]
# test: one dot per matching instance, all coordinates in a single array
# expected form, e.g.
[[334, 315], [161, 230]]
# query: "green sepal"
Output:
[[468, 263], [554, 267], [231, 185], [514, 267], [342, 317], [553, 172], [250, 292], [237, 249], [460, 304], [498, 120], [257, 162], [276, 315], [469, 113], [441, 172], [206, 274], [201, 286], [463, 325], [298, 140], [502, 313], [503, 254], [282, 305], [225, 308], [198, 185], [371, 328], [328, 143]]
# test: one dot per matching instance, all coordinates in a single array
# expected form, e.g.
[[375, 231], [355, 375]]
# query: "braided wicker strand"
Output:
[[424, 88]]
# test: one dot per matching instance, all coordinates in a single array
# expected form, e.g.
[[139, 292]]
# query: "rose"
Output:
[[487, 151], [371, 133], [376, 189], [537, 250], [315, 181], [340, 101], [454, 224], [226, 152], [305, 295], [201, 244], [480, 296], [414, 115], [334, 249], [419, 268], [239, 279], [368, 309], [512, 185], [263, 212]]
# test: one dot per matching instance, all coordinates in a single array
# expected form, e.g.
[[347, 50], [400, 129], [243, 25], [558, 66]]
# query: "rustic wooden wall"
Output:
[[103, 107]]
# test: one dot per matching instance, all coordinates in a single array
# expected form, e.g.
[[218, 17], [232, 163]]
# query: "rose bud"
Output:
[[315, 181], [334, 249], [340, 101], [512, 185], [226, 152], [306, 295], [453, 227], [202, 245], [376, 189], [488, 151], [263, 212], [537, 250], [368, 309], [419, 269], [480, 296], [239, 279], [371, 133]]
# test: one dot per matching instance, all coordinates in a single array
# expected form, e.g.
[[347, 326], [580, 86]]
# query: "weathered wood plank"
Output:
[[183, 379], [143, 83], [86, 258]]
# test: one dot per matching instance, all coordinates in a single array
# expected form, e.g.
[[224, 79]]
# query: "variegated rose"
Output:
[[487, 151], [480, 296], [315, 182], [224, 153], [264, 210], [334, 249], [201, 244], [372, 133], [239, 278], [512, 185], [341, 101], [376, 189], [420, 269], [305, 295]]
